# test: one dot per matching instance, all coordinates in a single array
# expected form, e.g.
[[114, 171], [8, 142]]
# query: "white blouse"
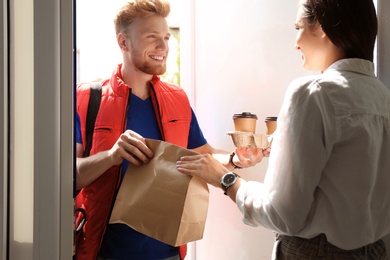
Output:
[[329, 168]]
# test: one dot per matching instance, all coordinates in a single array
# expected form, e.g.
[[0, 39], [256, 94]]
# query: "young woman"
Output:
[[326, 191]]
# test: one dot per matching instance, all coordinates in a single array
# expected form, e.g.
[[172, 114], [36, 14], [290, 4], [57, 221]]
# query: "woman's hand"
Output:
[[248, 157], [204, 166]]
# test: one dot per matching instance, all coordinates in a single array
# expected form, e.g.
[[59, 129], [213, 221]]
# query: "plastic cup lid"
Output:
[[245, 115]]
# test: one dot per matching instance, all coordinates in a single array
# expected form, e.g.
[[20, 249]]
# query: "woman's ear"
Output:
[[122, 41], [321, 32]]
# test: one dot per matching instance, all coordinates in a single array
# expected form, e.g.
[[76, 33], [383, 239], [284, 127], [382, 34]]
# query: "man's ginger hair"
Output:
[[139, 9]]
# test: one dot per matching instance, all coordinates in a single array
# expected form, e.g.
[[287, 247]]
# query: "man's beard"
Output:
[[146, 67]]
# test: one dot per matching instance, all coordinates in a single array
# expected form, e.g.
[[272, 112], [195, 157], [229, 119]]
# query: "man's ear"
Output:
[[122, 41]]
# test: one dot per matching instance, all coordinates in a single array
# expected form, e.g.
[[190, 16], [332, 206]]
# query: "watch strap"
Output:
[[231, 161]]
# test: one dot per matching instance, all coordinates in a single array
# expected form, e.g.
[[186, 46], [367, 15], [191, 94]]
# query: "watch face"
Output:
[[229, 179]]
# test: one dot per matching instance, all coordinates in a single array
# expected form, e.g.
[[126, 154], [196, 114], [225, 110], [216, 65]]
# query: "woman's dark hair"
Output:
[[351, 25]]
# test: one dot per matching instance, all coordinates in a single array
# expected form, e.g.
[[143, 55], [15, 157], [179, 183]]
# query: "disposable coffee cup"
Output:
[[245, 122], [270, 124]]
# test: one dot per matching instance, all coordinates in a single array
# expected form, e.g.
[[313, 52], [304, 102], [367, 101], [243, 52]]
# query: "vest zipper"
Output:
[[118, 178], [156, 108]]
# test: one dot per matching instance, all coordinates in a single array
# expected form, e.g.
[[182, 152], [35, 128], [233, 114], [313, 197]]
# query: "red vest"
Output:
[[173, 113]]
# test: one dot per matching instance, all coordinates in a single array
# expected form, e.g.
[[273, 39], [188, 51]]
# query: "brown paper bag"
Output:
[[159, 201]]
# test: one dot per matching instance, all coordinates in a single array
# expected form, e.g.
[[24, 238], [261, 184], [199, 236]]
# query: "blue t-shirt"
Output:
[[120, 241], [78, 130]]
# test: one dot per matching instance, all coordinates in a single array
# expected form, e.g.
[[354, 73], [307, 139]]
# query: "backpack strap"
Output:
[[93, 108]]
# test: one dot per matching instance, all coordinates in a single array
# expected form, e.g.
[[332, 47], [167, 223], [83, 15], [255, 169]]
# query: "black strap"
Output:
[[83, 219], [93, 108]]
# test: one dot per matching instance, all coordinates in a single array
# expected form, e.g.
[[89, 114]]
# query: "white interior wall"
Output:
[[244, 60]]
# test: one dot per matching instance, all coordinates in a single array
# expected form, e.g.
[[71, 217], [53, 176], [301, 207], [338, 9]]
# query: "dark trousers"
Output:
[[169, 258], [318, 248]]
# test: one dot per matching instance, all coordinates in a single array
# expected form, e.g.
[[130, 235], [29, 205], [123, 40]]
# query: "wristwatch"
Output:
[[228, 180]]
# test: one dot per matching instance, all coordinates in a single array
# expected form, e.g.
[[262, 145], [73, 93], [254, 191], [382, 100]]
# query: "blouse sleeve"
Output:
[[301, 146]]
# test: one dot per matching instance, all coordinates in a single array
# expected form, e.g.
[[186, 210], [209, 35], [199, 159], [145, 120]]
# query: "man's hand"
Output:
[[130, 146]]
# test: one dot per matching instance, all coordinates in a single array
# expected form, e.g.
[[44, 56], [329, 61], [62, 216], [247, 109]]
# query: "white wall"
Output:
[[244, 59]]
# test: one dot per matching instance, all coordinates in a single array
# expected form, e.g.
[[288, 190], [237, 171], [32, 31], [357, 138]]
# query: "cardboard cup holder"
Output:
[[250, 140]]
